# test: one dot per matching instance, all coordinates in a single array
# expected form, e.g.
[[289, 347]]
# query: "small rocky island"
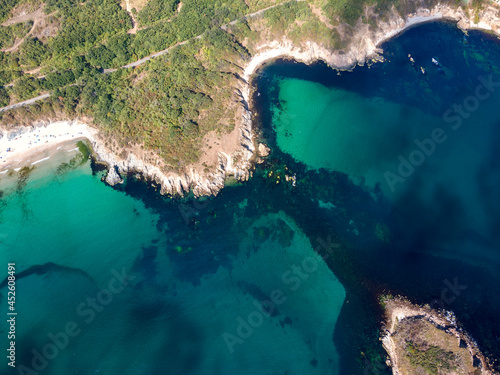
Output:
[[421, 340]]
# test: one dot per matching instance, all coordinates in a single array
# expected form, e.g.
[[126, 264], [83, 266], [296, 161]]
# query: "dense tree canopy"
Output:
[[156, 10], [168, 104], [5, 8], [32, 52], [8, 34], [4, 97]]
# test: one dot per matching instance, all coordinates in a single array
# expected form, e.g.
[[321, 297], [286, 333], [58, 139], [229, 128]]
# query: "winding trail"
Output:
[[26, 102], [135, 25], [147, 58], [33, 16]]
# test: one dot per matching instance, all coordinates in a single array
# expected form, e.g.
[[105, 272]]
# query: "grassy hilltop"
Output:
[[169, 104]]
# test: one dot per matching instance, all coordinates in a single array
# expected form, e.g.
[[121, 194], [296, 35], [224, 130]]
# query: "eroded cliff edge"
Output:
[[232, 155], [363, 46], [419, 339]]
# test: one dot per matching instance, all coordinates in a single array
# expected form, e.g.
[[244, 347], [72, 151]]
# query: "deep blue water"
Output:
[[442, 219], [197, 267]]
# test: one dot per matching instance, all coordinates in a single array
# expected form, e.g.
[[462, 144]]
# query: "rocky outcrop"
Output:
[[237, 165], [113, 178], [365, 43], [263, 150], [399, 311]]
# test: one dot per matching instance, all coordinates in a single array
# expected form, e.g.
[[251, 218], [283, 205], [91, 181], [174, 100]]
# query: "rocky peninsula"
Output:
[[422, 340], [232, 155]]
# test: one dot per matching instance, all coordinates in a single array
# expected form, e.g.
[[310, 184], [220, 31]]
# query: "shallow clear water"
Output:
[[423, 146], [403, 151], [281, 274], [74, 240]]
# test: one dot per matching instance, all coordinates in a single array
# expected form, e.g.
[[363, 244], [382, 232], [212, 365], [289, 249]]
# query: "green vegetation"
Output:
[[195, 18], [156, 10], [76, 161], [26, 87], [8, 34], [84, 26], [5, 8], [348, 10], [9, 68], [166, 106], [55, 80], [84, 149], [169, 104], [384, 298], [4, 97], [283, 16], [24, 174], [162, 110], [32, 52], [432, 359]]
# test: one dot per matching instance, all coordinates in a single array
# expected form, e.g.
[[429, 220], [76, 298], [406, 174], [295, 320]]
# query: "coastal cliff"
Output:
[[363, 46], [233, 154], [202, 183], [364, 43]]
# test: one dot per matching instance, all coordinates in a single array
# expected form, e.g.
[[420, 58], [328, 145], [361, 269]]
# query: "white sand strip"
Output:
[[411, 22], [18, 145], [39, 161]]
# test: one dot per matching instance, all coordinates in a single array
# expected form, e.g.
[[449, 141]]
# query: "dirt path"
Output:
[[26, 102], [133, 30], [35, 16]]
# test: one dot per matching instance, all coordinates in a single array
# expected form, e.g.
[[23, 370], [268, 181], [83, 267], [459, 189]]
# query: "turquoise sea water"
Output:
[[401, 150], [424, 147], [280, 275], [265, 302]]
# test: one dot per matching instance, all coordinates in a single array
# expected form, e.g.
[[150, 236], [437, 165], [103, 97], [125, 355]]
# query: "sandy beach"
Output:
[[28, 145], [25, 145]]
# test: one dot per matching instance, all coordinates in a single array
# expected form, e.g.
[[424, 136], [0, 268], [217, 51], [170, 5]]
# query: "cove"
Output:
[[419, 133], [280, 274], [126, 282]]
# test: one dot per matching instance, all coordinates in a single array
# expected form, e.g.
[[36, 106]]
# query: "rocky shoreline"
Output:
[[364, 47], [399, 311]]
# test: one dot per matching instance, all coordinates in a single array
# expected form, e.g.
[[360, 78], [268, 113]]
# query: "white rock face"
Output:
[[113, 177], [263, 150], [363, 47], [201, 184]]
